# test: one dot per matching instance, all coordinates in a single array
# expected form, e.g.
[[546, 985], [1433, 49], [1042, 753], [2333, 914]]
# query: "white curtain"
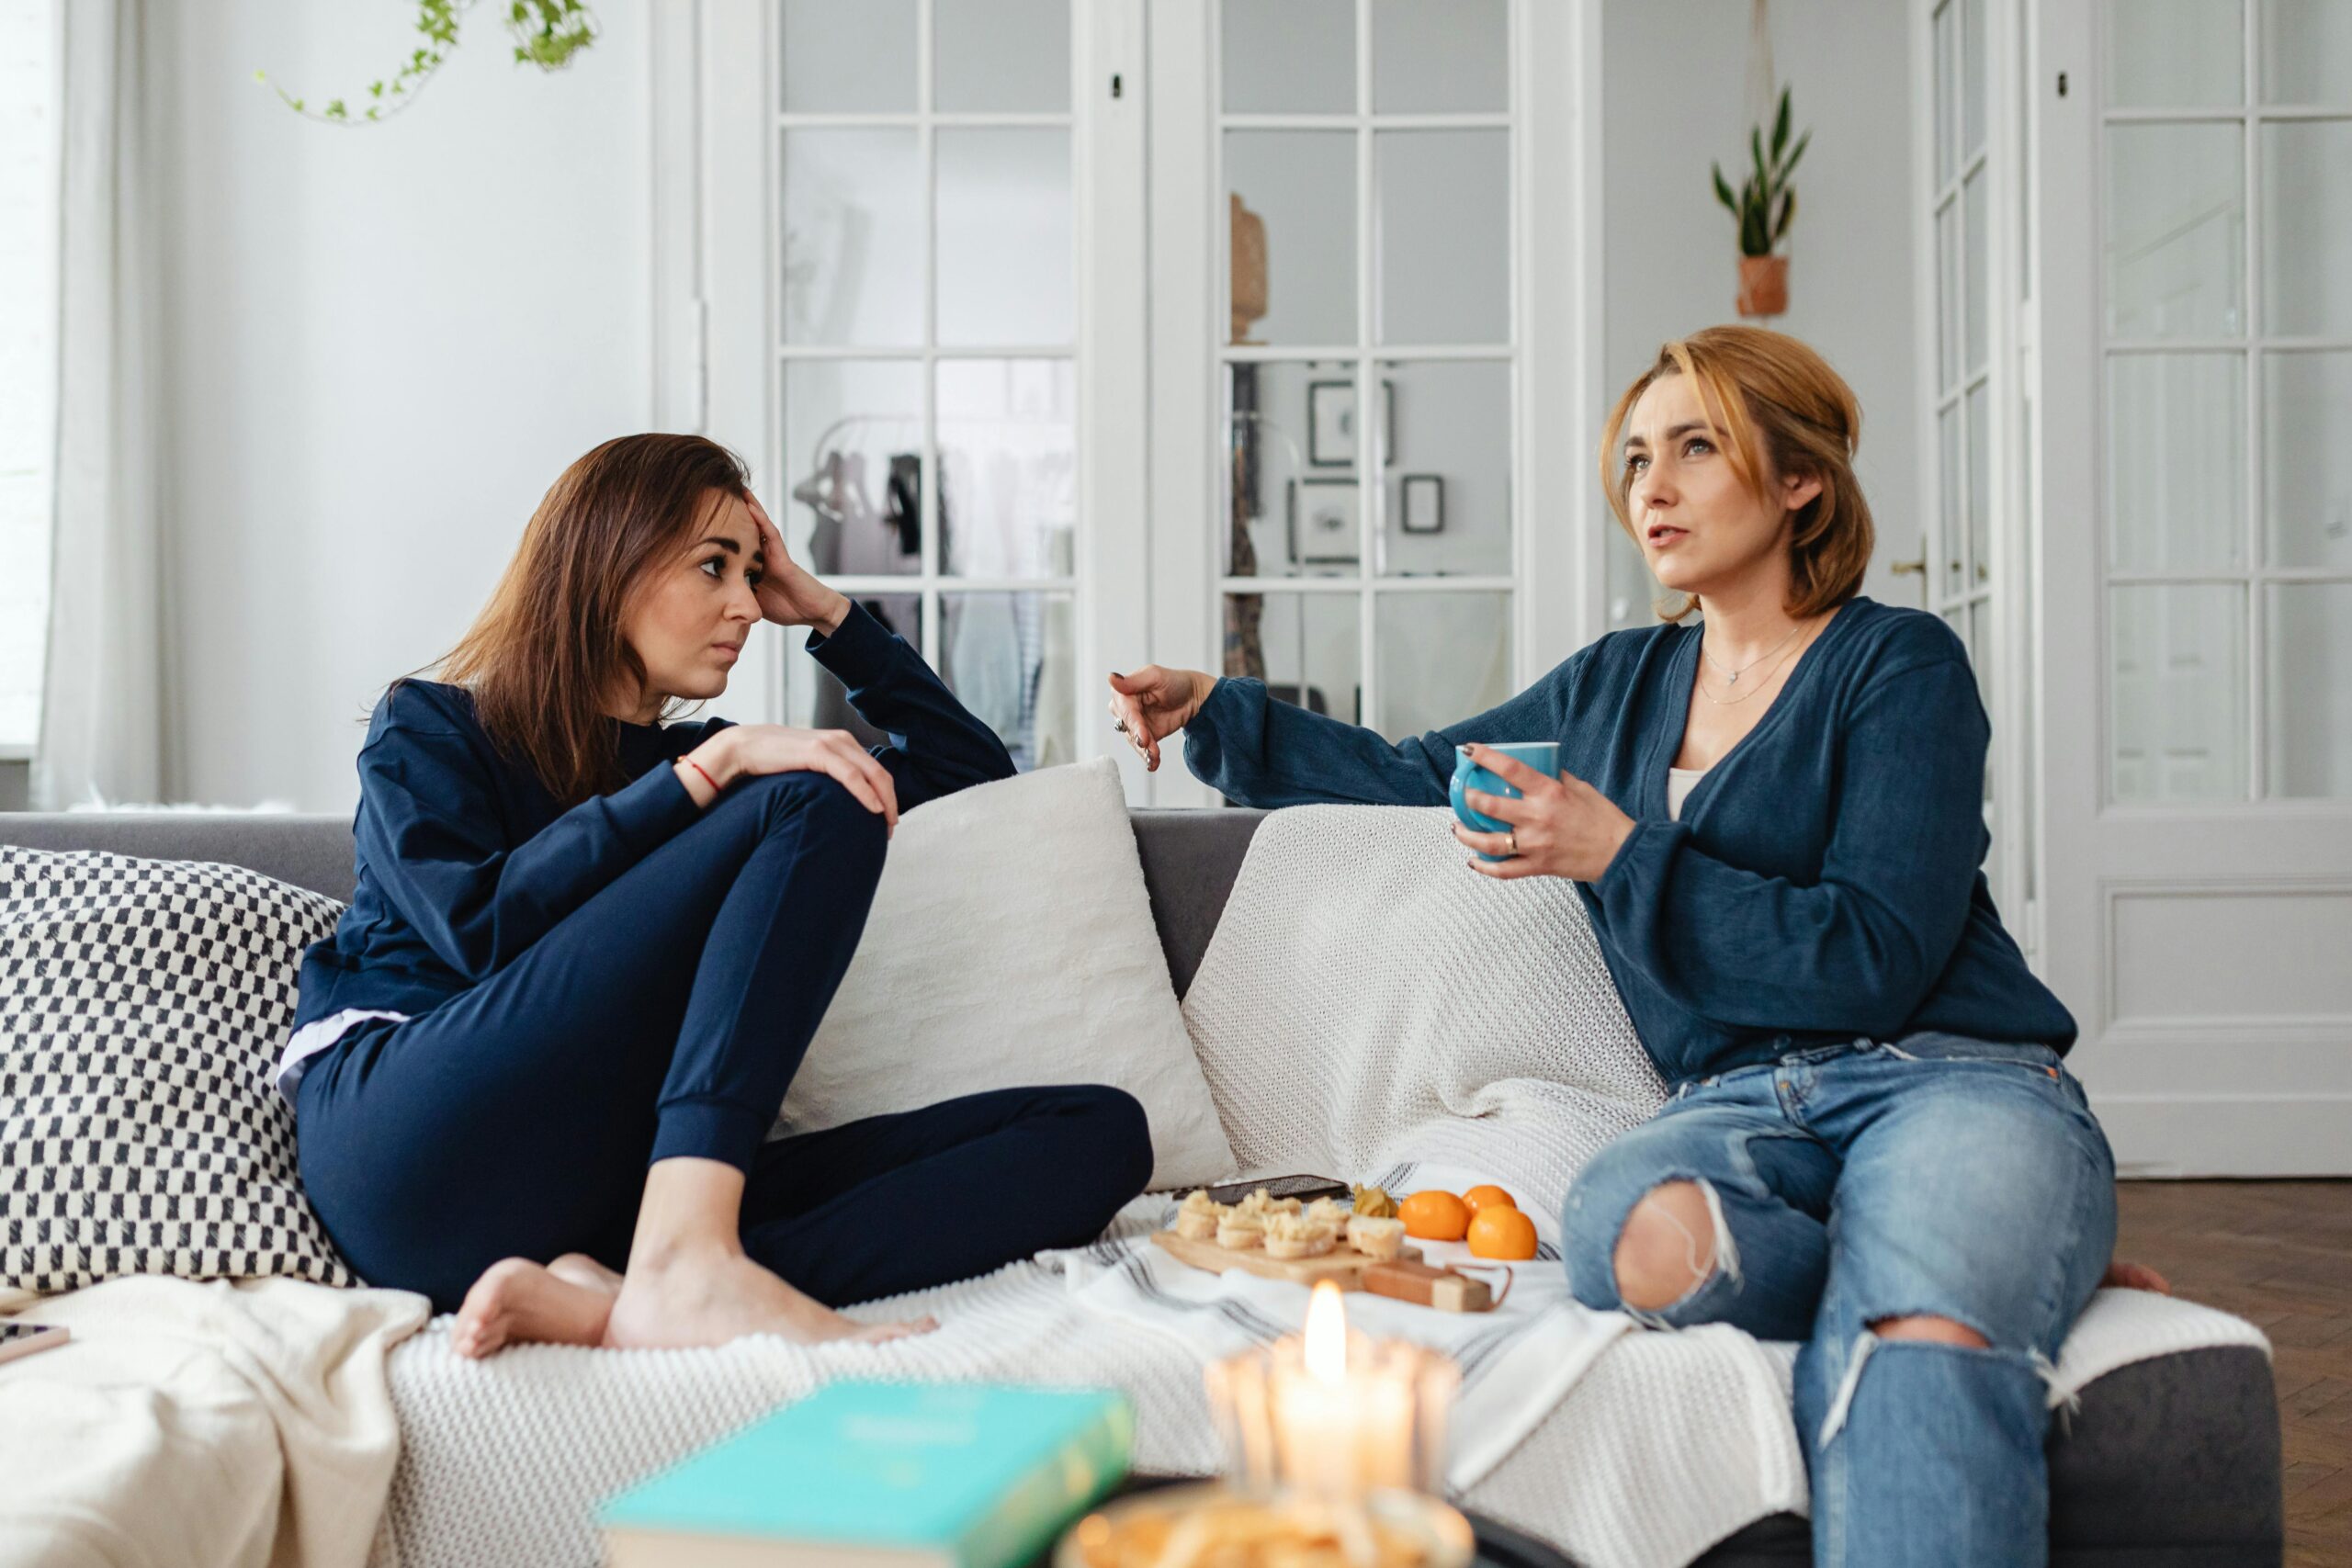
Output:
[[102, 710]]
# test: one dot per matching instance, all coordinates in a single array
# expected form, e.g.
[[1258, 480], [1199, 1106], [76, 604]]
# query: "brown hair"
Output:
[[546, 651], [1748, 380]]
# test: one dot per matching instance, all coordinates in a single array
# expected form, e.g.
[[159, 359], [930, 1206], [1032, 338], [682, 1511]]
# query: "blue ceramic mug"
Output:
[[1543, 756]]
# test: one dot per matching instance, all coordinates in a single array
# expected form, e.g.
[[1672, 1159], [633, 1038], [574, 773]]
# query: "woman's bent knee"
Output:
[[1667, 1249], [818, 802], [1930, 1329], [1122, 1133]]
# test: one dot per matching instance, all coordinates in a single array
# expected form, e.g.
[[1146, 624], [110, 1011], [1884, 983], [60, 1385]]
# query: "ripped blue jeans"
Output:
[[1849, 1184]]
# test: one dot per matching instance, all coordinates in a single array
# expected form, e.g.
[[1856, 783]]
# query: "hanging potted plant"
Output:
[[1764, 208]]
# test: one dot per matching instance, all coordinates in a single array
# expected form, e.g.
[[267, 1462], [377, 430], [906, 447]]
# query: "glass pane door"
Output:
[[2227, 343], [927, 363], [1367, 557], [1971, 509]]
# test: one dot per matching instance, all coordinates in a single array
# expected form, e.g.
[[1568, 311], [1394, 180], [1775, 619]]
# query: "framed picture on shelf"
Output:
[[1332, 424], [1424, 508], [1323, 521]]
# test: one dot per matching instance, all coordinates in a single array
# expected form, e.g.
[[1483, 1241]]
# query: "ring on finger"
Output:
[[1511, 838]]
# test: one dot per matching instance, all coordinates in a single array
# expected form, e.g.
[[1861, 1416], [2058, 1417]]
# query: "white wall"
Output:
[[382, 345], [1673, 103]]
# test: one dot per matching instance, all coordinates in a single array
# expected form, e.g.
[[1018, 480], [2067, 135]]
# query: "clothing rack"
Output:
[[987, 422]]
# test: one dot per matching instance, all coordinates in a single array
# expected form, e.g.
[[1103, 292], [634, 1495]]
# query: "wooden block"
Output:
[[1343, 1265], [1424, 1285]]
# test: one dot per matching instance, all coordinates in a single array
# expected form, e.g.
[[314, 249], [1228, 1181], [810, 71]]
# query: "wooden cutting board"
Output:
[[1343, 1265]]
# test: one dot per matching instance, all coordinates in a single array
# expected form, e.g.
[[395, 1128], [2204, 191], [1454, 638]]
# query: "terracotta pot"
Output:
[[1763, 285]]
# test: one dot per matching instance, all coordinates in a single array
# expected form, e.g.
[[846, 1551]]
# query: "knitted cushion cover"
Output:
[[142, 1004]]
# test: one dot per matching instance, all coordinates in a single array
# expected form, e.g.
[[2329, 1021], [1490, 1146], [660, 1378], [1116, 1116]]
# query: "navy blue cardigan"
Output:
[[464, 859], [1824, 882]]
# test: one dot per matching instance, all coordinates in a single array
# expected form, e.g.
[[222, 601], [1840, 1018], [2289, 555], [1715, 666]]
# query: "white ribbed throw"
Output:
[[1366, 1003], [1516, 1361]]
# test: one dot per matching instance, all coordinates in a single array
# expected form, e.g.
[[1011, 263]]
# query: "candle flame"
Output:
[[1327, 1336]]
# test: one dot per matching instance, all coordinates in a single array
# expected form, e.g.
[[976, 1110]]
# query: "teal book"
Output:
[[882, 1475]]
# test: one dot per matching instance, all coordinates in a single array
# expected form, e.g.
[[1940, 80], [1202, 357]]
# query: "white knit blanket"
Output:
[[1366, 1005], [1368, 999], [1516, 1361]]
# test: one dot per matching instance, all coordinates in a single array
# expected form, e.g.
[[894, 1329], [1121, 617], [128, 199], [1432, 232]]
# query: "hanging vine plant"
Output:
[[547, 34]]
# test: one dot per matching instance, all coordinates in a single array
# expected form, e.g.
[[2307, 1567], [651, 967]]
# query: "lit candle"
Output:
[[1343, 1415]]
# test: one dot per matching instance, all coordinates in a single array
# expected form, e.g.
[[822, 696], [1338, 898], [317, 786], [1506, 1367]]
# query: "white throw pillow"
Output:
[[1011, 943]]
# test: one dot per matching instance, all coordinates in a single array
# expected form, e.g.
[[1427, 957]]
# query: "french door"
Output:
[[1368, 485], [1070, 336], [2195, 187], [902, 245]]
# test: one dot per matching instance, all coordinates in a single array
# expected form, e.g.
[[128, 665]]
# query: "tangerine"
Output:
[[1479, 1197], [1502, 1233], [1434, 1215]]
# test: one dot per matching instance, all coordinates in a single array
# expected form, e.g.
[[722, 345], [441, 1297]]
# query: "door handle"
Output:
[[1917, 569]]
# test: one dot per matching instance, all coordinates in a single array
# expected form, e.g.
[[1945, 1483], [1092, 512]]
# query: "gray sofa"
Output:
[[2172, 1462]]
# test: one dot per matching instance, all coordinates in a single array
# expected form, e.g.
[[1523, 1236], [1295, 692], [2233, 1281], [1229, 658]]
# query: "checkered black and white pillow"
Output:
[[143, 1005]]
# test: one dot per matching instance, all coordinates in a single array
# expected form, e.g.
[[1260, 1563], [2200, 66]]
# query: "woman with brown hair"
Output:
[[1773, 821], [534, 1066]]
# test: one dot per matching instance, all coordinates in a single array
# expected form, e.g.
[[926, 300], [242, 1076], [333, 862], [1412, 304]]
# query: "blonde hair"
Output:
[[1782, 412]]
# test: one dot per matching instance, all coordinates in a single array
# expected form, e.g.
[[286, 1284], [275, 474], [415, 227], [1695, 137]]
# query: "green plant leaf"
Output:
[[1788, 215], [1781, 125], [1723, 192], [1795, 153], [547, 33]]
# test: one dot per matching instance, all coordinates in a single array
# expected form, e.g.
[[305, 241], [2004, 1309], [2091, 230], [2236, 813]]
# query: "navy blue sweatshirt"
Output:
[[1824, 882], [465, 858]]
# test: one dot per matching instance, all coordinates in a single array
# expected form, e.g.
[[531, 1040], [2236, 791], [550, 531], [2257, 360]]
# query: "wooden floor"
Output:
[[2279, 1254]]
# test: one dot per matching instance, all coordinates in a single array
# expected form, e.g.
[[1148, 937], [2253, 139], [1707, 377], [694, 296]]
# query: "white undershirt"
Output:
[[314, 1037], [1678, 784]]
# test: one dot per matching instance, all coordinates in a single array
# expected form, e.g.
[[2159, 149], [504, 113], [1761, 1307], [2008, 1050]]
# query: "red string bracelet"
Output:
[[705, 776]]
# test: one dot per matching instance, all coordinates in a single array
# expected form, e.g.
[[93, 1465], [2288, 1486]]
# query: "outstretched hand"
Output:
[[2125, 1276], [1563, 826], [1154, 703]]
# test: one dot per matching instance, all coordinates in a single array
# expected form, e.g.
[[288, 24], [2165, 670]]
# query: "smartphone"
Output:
[[19, 1339], [1305, 1189]]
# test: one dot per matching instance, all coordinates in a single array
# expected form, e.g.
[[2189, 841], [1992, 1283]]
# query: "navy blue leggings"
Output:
[[666, 1016]]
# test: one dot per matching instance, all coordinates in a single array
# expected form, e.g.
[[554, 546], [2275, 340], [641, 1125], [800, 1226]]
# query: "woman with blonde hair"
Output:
[[536, 1065], [1773, 820]]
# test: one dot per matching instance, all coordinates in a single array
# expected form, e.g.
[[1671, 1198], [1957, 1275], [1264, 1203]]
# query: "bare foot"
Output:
[[708, 1297], [579, 1269], [518, 1302]]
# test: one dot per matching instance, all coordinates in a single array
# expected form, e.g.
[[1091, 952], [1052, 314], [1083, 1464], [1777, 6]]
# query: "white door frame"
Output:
[[2200, 948]]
